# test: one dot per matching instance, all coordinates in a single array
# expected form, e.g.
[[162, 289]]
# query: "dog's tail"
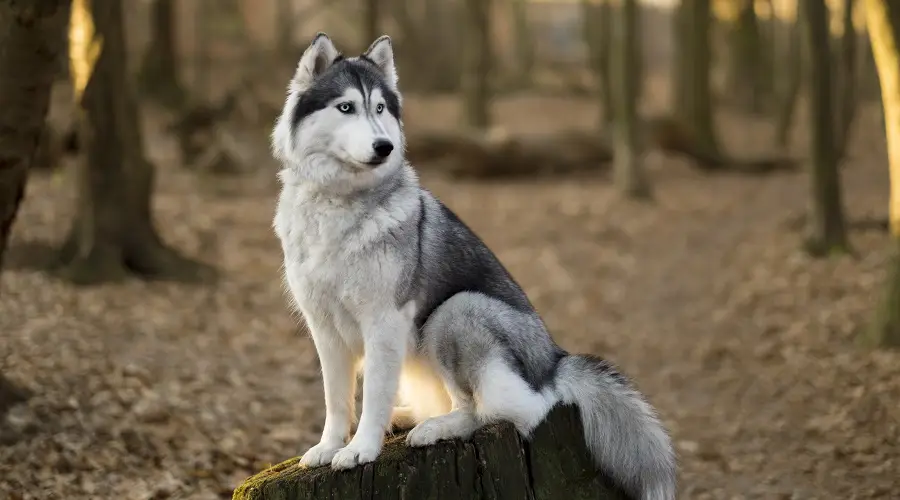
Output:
[[621, 430]]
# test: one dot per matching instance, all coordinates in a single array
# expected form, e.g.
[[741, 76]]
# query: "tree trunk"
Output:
[[747, 75], [371, 21], [159, 71], [495, 464], [869, 87], [628, 170], [883, 18], [30, 42], [284, 23], [826, 230], [524, 43], [598, 36], [790, 89], [112, 229], [678, 77], [847, 75], [476, 64], [694, 64]]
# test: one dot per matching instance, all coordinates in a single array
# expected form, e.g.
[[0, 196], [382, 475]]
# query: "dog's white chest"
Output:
[[312, 239]]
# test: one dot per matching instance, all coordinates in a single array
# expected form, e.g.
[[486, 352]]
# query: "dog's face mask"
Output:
[[343, 109]]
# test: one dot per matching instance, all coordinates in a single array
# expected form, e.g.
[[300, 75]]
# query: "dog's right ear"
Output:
[[320, 54]]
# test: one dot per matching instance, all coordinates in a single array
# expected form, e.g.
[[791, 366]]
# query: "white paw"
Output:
[[355, 453], [320, 454], [429, 432]]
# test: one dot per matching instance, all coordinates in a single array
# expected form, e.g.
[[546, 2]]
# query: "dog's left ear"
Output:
[[320, 54], [381, 52]]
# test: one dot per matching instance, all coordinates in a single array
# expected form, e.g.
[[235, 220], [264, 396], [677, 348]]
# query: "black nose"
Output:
[[383, 148]]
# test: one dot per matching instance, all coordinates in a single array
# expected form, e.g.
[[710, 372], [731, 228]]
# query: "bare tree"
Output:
[[747, 71], [790, 87], [30, 42], [883, 18], [693, 93], [847, 75], [371, 20], [159, 71], [626, 77], [112, 229], [524, 43], [477, 64], [598, 36], [827, 232]]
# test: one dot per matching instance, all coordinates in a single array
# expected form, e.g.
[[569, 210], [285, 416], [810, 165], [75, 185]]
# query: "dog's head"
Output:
[[341, 120]]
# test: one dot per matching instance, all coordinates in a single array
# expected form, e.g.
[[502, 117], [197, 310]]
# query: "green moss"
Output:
[[251, 488]]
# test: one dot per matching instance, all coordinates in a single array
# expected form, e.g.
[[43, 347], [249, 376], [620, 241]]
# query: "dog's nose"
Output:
[[382, 147]]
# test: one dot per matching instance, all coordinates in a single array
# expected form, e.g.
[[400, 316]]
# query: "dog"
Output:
[[391, 281]]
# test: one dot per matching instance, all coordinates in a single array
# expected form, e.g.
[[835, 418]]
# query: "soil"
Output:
[[704, 297]]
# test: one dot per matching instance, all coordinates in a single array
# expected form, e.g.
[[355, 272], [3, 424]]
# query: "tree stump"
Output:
[[495, 464]]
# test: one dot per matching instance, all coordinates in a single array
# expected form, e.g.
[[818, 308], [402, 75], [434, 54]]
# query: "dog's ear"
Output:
[[320, 54], [382, 54]]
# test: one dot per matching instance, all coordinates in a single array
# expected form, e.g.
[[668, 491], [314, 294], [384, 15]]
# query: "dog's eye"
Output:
[[379, 108], [345, 107]]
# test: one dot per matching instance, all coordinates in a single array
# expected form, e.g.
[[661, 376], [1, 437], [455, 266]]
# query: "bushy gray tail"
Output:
[[621, 430]]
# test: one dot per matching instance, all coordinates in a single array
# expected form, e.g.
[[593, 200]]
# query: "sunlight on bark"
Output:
[[887, 56], [84, 46]]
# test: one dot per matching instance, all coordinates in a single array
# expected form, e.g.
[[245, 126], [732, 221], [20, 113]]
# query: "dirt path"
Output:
[[744, 344]]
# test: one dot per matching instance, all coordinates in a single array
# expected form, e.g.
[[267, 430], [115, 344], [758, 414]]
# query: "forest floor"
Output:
[[704, 297]]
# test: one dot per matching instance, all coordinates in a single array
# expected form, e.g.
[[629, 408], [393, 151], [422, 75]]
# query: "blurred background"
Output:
[[696, 190]]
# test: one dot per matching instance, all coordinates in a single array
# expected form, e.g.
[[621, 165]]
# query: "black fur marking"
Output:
[[606, 368], [537, 367], [461, 262], [335, 80]]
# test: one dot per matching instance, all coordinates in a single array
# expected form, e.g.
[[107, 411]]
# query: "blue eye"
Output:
[[345, 107], [379, 108]]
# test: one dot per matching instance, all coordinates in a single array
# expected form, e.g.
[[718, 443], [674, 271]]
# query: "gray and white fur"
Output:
[[390, 280]]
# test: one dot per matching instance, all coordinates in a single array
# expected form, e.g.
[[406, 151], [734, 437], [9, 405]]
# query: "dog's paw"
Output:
[[451, 426], [320, 454], [355, 453], [427, 433]]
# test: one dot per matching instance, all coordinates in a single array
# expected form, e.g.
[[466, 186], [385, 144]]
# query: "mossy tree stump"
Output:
[[495, 464]]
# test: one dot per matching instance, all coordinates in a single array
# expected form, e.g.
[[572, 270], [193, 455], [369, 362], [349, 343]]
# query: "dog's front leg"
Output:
[[385, 340], [339, 381]]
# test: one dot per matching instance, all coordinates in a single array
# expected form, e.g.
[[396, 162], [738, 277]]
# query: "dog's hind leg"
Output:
[[478, 365]]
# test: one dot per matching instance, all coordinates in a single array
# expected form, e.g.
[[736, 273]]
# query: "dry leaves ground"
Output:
[[746, 346]]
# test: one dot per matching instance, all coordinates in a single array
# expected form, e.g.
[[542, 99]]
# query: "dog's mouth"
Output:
[[374, 162]]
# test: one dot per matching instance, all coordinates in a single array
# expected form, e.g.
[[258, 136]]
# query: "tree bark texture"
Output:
[[883, 18], [31, 34], [30, 43], [827, 232], [495, 464]]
